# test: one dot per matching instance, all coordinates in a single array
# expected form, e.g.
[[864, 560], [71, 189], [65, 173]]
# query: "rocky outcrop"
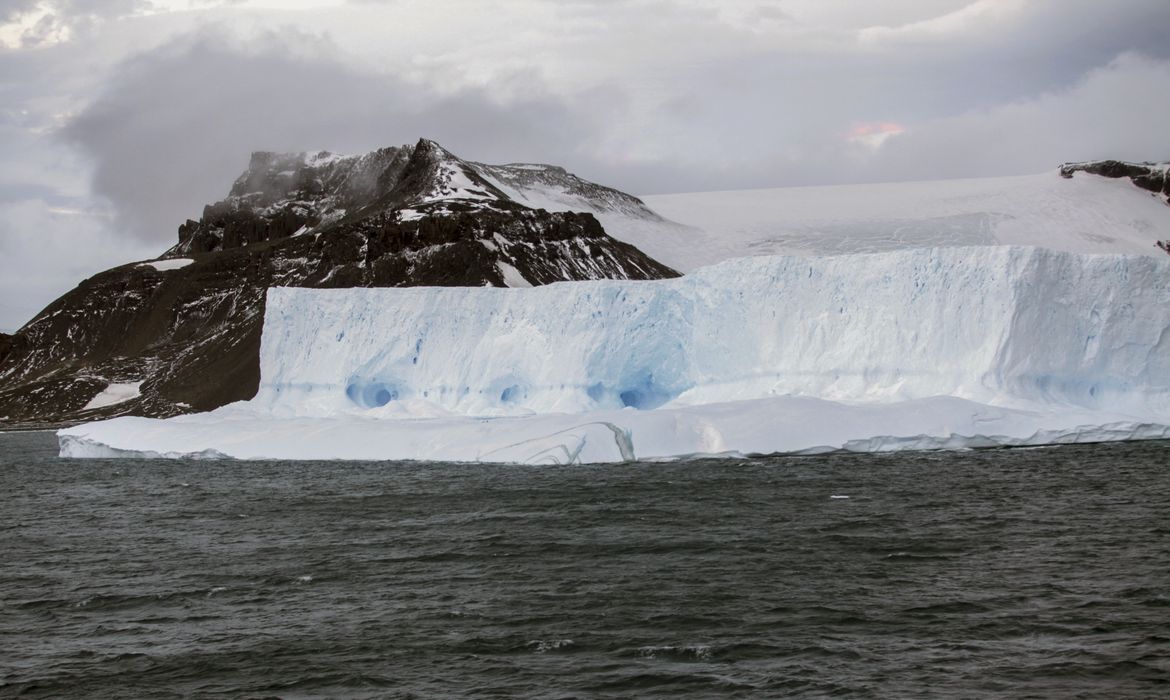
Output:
[[1154, 177], [187, 325]]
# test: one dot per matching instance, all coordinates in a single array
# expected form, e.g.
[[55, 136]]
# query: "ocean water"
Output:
[[1014, 573]]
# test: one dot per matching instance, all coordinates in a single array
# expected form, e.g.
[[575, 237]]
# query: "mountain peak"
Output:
[[436, 182], [283, 194], [424, 144]]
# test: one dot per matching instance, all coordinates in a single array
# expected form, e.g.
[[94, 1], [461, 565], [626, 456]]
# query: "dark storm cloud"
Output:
[[176, 126]]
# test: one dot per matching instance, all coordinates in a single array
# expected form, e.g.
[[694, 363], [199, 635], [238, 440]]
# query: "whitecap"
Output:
[[543, 646], [700, 652]]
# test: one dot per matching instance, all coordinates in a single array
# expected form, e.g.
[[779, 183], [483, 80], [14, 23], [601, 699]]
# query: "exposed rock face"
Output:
[[188, 324], [6, 342], [1154, 177]]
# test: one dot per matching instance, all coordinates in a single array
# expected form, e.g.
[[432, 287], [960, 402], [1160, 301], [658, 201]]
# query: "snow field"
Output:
[[1085, 214]]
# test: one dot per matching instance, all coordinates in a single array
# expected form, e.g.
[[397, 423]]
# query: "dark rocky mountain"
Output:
[[6, 342], [1154, 177], [182, 333]]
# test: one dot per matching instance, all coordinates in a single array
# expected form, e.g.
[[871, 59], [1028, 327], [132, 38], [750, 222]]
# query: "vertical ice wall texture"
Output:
[[1002, 325]]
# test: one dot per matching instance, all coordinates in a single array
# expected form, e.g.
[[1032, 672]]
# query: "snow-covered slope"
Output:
[[554, 189], [923, 348], [1085, 214]]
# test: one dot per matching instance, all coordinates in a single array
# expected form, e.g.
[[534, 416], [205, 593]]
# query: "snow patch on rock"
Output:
[[114, 393], [167, 264], [511, 275]]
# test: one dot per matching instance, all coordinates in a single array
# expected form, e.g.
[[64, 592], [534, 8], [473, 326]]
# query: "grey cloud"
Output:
[[60, 16], [1116, 111], [1049, 45], [45, 251], [26, 191], [10, 9], [176, 126], [775, 115]]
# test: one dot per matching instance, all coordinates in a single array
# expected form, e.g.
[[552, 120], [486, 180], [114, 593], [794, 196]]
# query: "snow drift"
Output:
[[947, 347]]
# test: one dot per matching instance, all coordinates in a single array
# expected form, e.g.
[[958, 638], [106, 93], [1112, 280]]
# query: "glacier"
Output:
[[926, 348], [1086, 214]]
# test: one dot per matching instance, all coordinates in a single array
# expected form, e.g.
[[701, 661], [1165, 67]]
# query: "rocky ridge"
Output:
[[1154, 177], [183, 331]]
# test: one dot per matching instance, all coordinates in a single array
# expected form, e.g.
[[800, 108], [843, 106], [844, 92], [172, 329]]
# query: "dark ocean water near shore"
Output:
[[1014, 573]]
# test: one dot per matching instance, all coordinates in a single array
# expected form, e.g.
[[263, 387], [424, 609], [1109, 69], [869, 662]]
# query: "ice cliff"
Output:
[[946, 347]]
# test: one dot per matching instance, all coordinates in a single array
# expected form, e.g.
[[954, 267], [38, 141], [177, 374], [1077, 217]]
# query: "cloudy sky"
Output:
[[121, 118]]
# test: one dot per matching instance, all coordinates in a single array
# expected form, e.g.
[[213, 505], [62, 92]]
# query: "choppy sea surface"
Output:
[[1012, 573]]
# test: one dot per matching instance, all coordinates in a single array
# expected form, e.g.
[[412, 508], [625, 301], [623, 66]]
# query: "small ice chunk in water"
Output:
[[837, 498]]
